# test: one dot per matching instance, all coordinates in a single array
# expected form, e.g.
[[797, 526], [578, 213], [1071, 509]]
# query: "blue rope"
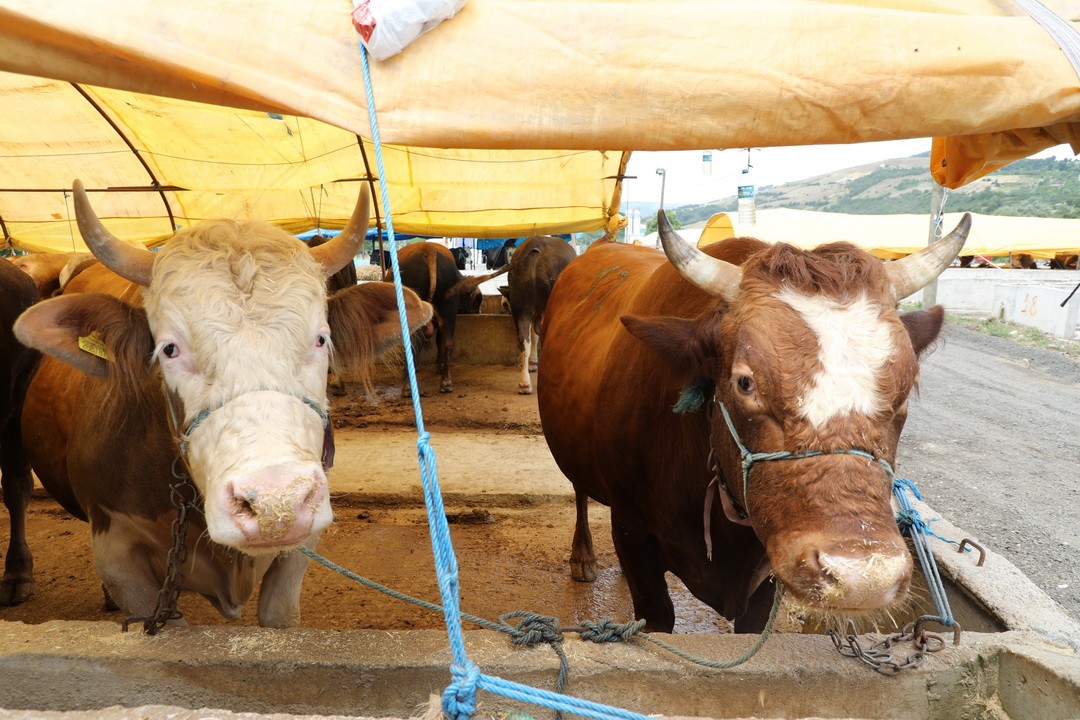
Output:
[[459, 698], [912, 525]]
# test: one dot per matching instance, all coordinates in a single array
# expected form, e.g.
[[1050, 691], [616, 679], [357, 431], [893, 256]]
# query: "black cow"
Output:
[[430, 270], [17, 364], [495, 258], [461, 257], [536, 264], [385, 258]]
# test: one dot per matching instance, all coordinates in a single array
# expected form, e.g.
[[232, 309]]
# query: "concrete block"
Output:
[[1037, 306]]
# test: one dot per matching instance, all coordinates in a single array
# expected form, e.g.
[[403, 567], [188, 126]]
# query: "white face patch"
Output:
[[855, 344]]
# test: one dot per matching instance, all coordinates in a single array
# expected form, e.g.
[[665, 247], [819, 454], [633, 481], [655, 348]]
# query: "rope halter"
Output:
[[748, 459]]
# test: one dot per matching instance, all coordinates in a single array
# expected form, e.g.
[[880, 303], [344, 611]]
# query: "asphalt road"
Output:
[[993, 443]]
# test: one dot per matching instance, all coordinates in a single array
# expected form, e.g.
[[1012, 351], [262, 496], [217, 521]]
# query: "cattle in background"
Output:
[[47, 269], [536, 265], [498, 257], [1065, 261], [805, 350], [209, 357], [384, 256], [1023, 261], [429, 269], [461, 257], [17, 363]]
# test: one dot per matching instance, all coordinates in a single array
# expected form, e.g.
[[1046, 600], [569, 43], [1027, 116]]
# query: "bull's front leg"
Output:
[[17, 584], [582, 557], [643, 567], [279, 595]]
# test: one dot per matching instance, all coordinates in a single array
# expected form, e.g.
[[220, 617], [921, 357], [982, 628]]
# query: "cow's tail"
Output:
[[432, 269]]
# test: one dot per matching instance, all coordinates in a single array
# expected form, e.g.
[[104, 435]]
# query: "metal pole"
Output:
[[937, 199], [663, 181]]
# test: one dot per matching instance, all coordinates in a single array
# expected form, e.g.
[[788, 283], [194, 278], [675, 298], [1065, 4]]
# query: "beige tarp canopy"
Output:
[[209, 161], [512, 75], [892, 236]]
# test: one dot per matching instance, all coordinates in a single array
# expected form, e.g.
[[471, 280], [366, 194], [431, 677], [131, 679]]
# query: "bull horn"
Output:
[[714, 276], [911, 274], [129, 261], [335, 253]]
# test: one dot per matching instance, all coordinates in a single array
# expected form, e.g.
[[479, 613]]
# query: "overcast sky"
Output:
[[688, 181]]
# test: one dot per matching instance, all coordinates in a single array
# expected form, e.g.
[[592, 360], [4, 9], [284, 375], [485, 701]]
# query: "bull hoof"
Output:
[[446, 387], [524, 389], [533, 366], [583, 572], [337, 389], [16, 591]]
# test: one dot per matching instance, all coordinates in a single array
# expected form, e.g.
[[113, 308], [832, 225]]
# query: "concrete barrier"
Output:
[[1025, 297], [484, 339]]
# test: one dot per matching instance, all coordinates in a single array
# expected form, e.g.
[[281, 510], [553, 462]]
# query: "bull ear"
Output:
[[364, 323], [98, 334], [923, 326], [683, 343]]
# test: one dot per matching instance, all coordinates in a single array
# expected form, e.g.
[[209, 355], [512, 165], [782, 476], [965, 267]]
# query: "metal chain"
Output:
[[878, 655], [184, 497]]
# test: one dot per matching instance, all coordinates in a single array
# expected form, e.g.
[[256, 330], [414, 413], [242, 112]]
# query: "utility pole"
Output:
[[663, 180]]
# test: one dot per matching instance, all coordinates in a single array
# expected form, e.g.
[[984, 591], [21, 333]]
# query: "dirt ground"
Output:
[[510, 558]]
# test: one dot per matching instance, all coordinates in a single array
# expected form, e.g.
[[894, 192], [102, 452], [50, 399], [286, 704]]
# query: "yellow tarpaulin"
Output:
[[510, 75], [892, 236], [210, 162]]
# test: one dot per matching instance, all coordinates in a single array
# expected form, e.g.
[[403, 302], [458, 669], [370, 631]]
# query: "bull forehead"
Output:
[[250, 301], [855, 344]]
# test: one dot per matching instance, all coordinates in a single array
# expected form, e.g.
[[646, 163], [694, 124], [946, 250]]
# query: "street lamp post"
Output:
[[663, 180]]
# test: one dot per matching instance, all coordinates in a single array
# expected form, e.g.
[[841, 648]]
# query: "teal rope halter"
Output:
[[749, 458]]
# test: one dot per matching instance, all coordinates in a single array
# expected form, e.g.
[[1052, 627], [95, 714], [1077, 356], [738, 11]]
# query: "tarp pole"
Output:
[[374, 199], [937, 202]]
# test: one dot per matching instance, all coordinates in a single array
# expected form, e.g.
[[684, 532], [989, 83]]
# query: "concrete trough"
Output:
[[1016, 660]]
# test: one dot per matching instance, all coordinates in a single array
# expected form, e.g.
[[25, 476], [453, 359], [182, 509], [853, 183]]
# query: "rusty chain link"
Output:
[[185, 498], [878, 655]]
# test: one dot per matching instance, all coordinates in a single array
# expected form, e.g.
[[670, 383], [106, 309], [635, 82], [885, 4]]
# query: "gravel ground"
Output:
[[993, 442]]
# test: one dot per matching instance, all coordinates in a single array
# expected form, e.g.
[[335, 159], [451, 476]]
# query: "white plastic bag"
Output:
[[387, 26]]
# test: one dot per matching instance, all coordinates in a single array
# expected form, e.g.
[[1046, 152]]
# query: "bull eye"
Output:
[[170, 350], [746, 384], [320, 340]]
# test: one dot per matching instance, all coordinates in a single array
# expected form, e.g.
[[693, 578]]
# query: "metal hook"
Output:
[[982, 551]]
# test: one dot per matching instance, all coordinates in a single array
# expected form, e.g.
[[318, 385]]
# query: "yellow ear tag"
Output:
[[94, 345]]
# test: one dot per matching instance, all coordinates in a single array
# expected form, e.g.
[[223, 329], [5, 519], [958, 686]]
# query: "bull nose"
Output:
[[859, 577], [276, 506]]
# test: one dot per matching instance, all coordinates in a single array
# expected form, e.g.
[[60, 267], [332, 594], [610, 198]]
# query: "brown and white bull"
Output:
[[534, 269], [807, 352], [212, 353]]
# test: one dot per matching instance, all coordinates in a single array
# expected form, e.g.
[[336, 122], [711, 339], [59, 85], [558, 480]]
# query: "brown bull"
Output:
[[534, 269], [805, 350], [211, 357]]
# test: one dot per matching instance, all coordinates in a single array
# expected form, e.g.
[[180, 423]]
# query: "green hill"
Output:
[[1032, 188]]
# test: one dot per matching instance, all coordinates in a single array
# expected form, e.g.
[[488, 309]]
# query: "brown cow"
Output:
[[17, 363], [48, 269], [535, 266], [430, 270], [806, 351], [210, 355]]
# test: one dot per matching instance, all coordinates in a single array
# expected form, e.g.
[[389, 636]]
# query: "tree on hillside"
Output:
[[672, 216]]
